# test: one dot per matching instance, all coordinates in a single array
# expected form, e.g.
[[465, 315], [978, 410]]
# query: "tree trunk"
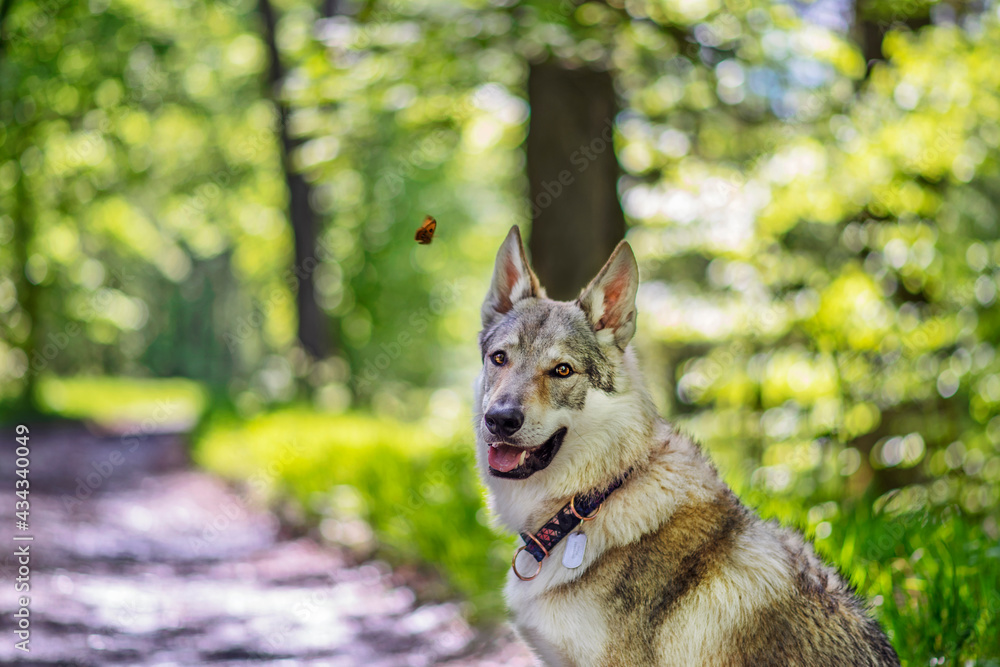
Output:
[[870, 27], [870, 36], [27, 291], [312, 320], [5, 6], [573, 174]]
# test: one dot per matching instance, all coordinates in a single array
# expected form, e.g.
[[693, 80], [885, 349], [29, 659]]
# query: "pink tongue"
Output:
[[504, 458]]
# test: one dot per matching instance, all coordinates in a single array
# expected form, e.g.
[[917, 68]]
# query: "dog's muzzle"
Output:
[[510, 462]]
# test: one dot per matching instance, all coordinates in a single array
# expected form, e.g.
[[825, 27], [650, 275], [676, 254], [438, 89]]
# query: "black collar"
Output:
[[577, 510]]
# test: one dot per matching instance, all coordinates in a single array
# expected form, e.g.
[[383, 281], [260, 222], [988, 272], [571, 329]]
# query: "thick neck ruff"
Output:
[[576, 511]]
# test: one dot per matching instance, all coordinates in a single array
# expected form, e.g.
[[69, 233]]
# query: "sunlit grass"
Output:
[[166, 403]]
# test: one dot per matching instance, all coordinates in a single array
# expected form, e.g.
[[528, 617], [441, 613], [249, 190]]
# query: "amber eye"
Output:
[[499, 358], [563, 370]]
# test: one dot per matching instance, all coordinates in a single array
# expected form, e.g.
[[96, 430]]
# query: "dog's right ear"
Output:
[[513, 279]]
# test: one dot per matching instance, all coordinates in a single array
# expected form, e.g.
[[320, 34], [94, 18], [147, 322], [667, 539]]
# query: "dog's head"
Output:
[[555, 397]]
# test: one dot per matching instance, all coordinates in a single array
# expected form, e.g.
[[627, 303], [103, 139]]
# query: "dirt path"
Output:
[[139, 560]]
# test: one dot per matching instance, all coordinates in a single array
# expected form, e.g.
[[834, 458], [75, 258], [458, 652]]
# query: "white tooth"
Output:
[[524, 456]]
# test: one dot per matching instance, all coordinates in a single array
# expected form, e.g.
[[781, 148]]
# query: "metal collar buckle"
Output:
[[513, 562]]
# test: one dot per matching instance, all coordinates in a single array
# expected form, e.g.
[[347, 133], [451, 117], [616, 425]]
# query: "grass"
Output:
[[156, 404], [933, 577]]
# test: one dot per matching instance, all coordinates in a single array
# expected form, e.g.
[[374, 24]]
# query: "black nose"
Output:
[[504, 421]]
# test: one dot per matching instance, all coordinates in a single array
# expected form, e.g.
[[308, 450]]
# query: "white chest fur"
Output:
[[564, 627]]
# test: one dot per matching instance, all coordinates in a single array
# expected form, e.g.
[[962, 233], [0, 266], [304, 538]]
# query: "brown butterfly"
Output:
[[425, 234]]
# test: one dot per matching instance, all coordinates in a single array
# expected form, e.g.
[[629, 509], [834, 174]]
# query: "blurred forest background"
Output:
[[207, 211]]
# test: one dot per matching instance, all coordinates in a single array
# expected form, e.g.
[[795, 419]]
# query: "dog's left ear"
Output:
[[609, 299], [513, 279]]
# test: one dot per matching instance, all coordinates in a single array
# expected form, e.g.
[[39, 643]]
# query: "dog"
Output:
[[635, 551]]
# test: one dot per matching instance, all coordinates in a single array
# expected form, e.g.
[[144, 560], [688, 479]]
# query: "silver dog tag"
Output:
[[575, 545]]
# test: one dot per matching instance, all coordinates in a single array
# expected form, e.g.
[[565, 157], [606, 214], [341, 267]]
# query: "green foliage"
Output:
[[846, 338], [940, 592], [140, 193]]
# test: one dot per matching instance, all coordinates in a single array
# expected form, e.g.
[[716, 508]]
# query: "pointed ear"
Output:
[[513, 279], [609, 300]]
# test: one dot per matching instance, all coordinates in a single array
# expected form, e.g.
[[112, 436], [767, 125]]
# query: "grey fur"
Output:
[[539, 327]]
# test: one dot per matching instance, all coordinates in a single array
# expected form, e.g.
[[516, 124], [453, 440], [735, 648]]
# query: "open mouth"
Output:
[[519, 462]]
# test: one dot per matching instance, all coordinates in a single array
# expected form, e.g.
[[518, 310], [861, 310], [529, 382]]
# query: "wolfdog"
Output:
[[635, 551]]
